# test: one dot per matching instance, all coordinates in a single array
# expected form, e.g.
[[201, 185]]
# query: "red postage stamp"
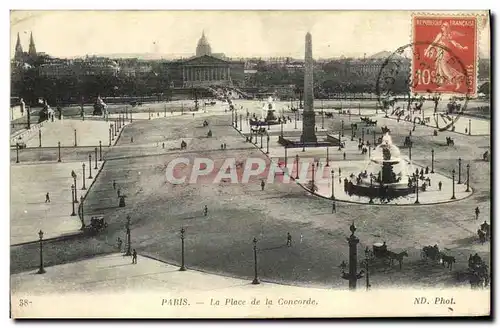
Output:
[[445, 54]]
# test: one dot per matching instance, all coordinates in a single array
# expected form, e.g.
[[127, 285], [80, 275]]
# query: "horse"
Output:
[[398, 257], [448, 260]]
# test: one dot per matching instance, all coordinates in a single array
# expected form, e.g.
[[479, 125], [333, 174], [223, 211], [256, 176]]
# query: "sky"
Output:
[[173, 34]]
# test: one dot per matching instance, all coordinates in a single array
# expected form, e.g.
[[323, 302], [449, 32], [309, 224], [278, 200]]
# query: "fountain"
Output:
[[387, 174]]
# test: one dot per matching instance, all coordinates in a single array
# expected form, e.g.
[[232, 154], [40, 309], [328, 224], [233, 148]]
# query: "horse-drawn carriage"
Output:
[[478, 272], [368, 121], [329, 115], [205, 123], [450, 141], [379, 251], [484, 232], [97, 224]]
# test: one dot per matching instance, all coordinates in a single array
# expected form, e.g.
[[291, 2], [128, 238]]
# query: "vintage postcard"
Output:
[[250, 164]]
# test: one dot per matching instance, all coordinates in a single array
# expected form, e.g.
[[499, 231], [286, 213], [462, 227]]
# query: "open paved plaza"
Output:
[[220, 243]]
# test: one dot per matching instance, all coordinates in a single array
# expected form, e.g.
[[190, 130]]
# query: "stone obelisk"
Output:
[[308, 120]]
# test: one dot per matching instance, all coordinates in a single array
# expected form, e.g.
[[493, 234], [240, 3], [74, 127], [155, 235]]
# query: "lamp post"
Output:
[[342, 127], [281, 126], [352, 132], [333, 184], [261, 137], [303, 143], [340, 142], [232, 117], [353, 275], [81, 213], [432, 161], [95, 157], [90, 166], [75, 138], [73, 175], [241, 122], [100, 150], [17, 153], [453, 186], [59, 151], [83, 176], [127, 227], [409, 149], [40, 137], [296, 119], [297, 165], [363, 134], [322, 120], [416, 179], [459, 170], [312, 178], [327, 157], [374, 141], [73, 200], [469, 125], [183, 267], [371, 189], [367, 268], [116, 126], [41, 269], [109, 136], [468, 172], [268, 137], [255, 277]]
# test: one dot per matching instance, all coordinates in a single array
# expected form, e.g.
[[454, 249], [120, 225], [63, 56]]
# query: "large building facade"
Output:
[[206, 69]]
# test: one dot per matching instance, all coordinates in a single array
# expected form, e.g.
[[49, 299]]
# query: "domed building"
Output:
[[203, 48], [207, 69]]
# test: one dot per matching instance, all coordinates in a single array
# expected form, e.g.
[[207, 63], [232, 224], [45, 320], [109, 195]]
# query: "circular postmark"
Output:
[[401, 73]]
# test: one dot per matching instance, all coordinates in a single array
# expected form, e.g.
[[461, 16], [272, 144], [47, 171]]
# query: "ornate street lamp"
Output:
[[286, 155], [353, 275], [432, 161], [241, 122], [468, 172], [453, 186], [469, 126], [110, 137], [255, 278], [183, 267], [83, 176], [73, 200], [333, 184], [41, 269], [75, 138], [322, 120], [73, 175], [90, 166], [327, 158], [340, 142], [17, 153], [40, 138], [100, 150], [459, 170], [59, 151], [297, 165], [95, 157], [261, 137], [268, 137], [342, 127], [127, 227], [371, 189], [367, 268]]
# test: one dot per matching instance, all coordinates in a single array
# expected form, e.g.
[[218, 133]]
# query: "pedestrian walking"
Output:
[[225, 146], [118, 192], [119, 242], [205, 210], [262, 185], [47, 198], [344, 156], [301, 237], [114, 184], [134, 257], [477, 212], [334, 207], [221, 146], [440, 185], [289, 239], [131, 139], [163, 145]]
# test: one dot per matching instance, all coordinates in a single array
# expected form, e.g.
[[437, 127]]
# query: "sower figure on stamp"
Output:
[[288, 239]]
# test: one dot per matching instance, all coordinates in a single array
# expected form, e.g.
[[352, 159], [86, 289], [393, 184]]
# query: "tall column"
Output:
[[308, 123], [228, 73]]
